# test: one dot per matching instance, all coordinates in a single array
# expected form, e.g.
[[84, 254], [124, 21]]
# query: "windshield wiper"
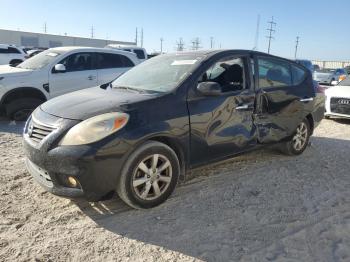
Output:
[[130, 88]]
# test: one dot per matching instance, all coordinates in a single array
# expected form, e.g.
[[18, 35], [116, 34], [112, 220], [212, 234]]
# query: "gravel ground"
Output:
[[261, 206]]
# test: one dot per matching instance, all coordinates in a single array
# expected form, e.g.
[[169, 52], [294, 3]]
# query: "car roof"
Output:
[[89, 49], [212, 52]]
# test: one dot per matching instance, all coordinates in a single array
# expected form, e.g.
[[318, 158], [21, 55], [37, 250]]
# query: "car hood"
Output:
[[93, 101], [6, 70], [342, 91]]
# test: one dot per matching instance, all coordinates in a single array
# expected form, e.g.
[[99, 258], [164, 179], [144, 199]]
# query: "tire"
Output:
[[20, 109], [137, 188], [291, 147]]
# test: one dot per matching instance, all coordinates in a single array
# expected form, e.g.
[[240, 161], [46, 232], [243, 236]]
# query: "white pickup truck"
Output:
[[55, 72]]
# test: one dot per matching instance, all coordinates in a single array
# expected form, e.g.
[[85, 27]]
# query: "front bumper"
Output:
[[96, 167], [334, 109]]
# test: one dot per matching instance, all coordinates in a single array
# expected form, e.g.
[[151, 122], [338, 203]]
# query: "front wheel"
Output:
[[299, 141], [149, 176]]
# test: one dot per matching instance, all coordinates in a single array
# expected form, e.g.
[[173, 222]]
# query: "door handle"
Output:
[[91, 77], [242, 107], [308, 99]]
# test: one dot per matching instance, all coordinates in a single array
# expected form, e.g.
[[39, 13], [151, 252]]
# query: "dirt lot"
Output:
[[262, 206]]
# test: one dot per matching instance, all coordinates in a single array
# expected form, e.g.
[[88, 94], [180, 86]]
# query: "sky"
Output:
[[321, 25]]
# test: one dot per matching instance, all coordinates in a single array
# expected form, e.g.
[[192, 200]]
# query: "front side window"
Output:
[[77, 62], [159, 74], [274, 73], [228, 73]]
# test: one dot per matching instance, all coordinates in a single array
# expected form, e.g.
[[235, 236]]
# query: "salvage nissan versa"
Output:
[[139, 134]]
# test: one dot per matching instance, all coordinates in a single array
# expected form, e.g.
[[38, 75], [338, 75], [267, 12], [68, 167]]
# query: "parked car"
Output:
[[316, 67], [307, 63], [169, 114], [55, 72], [347, 68], [330, 76], [33, 52], [10, 54], [139, 51], [338, 100]]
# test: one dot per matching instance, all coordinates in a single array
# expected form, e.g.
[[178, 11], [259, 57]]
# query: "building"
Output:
[[40, 40]]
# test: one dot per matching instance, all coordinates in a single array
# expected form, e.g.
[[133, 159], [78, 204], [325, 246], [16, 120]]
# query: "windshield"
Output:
[[159, 74], [345, 82], [40, 60]]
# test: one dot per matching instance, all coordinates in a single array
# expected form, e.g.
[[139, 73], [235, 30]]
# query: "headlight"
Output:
[[94, 129]]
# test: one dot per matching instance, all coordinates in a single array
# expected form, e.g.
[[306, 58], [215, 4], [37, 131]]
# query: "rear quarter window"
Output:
[[139, 53], [13, 50], [298, 75]]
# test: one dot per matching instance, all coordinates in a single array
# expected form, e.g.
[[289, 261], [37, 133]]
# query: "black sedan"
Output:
[[139, 134]]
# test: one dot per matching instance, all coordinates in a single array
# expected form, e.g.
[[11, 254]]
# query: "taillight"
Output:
[[342, 77]]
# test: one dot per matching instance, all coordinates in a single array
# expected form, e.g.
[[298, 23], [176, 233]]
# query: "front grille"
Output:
[[38, 131], [340, 105]]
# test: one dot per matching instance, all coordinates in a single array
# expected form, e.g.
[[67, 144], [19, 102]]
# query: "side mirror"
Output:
[[59, 68], [209, 88]]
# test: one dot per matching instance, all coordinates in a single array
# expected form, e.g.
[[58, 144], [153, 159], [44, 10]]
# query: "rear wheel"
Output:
[[20, 109], [149, 176], [299, 141]]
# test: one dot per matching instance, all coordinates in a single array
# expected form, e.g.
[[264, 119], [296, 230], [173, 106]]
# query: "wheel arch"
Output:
[[22, 92], [175, 145], [310, 118]]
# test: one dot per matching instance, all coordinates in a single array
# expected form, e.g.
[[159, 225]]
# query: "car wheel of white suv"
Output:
[[20, 109]]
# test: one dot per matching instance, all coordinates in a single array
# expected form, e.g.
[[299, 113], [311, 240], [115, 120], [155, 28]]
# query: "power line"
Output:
[[296, 47], [271, 31]]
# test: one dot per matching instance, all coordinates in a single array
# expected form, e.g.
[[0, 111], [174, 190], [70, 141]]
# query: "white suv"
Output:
[[55, 72], [139, 51], [10, 54]]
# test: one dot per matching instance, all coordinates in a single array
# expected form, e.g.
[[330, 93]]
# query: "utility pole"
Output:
[[136, 35], [296, 47], [195, 44], [92, 31], [271, 31], [180, 45], [256, 42], [45, 28], [161, 45], [141, 37], [211, 42]]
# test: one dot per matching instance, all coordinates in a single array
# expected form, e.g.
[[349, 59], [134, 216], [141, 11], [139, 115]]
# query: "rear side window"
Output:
[[274, 73], [298, 75], [139, 53], [106, 60], [9, 50]]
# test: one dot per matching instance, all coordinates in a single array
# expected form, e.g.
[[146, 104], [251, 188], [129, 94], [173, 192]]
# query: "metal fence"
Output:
[[331, 64]]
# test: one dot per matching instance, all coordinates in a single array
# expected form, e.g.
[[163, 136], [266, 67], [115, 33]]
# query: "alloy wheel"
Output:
[[300, 137], [152, 177]]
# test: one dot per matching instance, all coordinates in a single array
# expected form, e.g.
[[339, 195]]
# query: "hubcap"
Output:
[[152, 177], [300, 137]]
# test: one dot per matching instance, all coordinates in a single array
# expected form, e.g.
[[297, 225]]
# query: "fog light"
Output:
[[72, 181]]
